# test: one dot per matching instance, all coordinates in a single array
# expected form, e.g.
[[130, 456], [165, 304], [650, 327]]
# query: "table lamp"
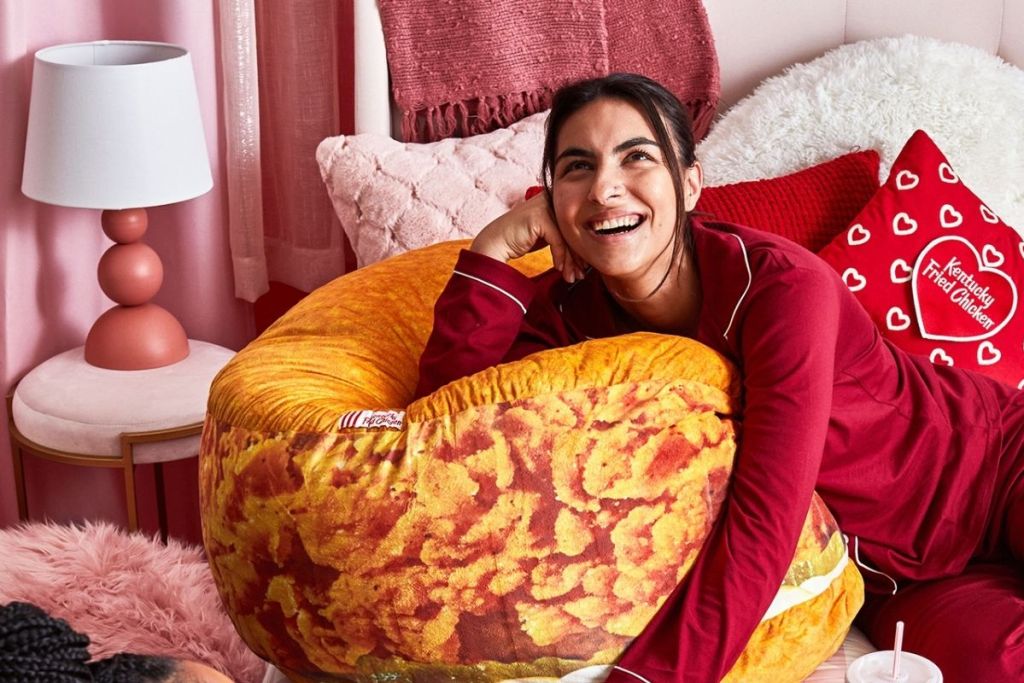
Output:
[[115, 125]]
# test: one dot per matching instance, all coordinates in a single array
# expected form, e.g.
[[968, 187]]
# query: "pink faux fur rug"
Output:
[[127, 592]]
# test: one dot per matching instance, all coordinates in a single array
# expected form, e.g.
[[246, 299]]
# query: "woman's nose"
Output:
[[607, 184]]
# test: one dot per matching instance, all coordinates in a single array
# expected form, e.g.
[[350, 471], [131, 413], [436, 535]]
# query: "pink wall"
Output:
[[48, 255]]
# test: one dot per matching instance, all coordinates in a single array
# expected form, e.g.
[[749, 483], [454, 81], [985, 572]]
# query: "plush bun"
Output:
[[525, 521]]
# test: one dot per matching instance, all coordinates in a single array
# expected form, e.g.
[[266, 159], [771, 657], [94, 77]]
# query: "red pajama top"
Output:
[[903, 452]]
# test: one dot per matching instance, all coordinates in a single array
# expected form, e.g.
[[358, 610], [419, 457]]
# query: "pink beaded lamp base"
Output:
[[136, 334]]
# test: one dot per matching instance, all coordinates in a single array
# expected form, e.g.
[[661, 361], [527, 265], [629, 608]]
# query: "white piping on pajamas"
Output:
[[856, 558], [493, 286], [750, 279], [631, 673], [597, 673]]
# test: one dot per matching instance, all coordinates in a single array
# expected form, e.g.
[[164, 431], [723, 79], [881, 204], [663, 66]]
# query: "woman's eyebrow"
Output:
[[574, 152], [621, 147], [634, 142]]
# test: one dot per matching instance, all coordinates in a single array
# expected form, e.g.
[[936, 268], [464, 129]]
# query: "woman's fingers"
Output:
[[580, 267], [525, 228], [558, 261], [510, 235], [564, 259], [561, 255]]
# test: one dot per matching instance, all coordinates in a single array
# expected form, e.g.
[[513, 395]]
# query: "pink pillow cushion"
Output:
[[809, 207], [392, 196], [935, 267]]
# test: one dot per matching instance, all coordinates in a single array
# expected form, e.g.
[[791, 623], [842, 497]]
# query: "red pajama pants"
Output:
[[971, 625]]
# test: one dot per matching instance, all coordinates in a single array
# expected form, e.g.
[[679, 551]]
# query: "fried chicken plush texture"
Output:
[[525, 521]]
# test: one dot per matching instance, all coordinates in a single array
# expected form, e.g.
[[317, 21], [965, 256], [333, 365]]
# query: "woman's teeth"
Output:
[[614, 226]]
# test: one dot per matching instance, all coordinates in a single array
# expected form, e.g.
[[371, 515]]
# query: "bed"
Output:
[[765, 130]]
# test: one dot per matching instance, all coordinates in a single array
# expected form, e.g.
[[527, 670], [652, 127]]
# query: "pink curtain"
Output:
[[49, 254], [287, 71]]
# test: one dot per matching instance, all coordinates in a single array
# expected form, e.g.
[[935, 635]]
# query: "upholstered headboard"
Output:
[[756, 39]]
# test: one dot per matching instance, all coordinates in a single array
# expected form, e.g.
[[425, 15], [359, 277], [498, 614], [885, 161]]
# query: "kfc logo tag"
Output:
[[372, 419]]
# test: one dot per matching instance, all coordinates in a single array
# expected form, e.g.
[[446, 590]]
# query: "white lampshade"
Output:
[[114, 125]]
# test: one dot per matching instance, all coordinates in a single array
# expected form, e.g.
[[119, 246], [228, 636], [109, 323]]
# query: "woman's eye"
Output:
[[639, 155], [576, 165]]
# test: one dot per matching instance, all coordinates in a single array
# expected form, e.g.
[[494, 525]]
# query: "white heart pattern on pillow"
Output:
[[992, 257], [906, 180], [903, 224], [900, 271], [896, 319], [854, 280], [950, 217], [988, 354], [946, 174], [858, 234]]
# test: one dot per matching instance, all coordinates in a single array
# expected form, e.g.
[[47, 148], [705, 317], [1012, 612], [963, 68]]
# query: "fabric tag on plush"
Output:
[[936, 268], [372, 419]]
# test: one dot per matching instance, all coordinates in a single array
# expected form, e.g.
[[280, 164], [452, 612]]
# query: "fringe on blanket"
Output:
[[484, 114], [702, 112], [472, 117]]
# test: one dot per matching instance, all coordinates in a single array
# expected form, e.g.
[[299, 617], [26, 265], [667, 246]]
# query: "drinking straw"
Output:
[[897, 648]]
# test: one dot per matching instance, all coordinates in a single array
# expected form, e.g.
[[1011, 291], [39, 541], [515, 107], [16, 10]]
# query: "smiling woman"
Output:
[[827, 403], [615, 172], [615, 204], [615, 198]]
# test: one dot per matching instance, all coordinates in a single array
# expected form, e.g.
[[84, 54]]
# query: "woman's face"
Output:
[[612, 193]]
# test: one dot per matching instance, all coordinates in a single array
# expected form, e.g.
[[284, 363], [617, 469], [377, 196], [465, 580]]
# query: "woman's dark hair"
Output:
[[658, 105], [132, 668], [667, 117], [35, 646]]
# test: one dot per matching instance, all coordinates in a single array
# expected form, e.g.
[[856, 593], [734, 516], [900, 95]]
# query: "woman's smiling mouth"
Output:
[[617, 225]]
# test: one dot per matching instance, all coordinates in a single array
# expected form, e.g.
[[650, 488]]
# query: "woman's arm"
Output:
[[787, 338], [476, 320], [480, 312]]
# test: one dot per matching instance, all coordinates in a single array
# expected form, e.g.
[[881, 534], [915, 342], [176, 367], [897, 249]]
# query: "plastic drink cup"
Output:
[[877, 667]]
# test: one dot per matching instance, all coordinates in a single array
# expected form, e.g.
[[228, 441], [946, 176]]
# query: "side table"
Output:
[[68, 411]]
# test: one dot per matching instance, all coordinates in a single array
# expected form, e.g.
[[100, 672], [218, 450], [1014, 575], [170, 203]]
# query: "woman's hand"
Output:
[[526, 227]]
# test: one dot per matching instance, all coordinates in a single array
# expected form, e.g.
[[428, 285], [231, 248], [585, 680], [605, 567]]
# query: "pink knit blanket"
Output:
[[460, 68]]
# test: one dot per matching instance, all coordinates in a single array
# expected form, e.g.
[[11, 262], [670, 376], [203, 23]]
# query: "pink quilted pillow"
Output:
[[393, 196]]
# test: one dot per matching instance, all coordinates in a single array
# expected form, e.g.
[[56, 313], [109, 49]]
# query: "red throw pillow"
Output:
[[809, 207], [937, 270]]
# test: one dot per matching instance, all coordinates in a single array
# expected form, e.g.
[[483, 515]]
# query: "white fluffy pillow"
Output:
[[392, 196], [874, 95]]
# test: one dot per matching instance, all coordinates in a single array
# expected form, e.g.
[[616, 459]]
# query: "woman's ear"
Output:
[[693, 180]]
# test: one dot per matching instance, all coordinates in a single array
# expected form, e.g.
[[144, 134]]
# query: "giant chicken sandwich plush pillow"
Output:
[[936, 268], [524, 521]]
